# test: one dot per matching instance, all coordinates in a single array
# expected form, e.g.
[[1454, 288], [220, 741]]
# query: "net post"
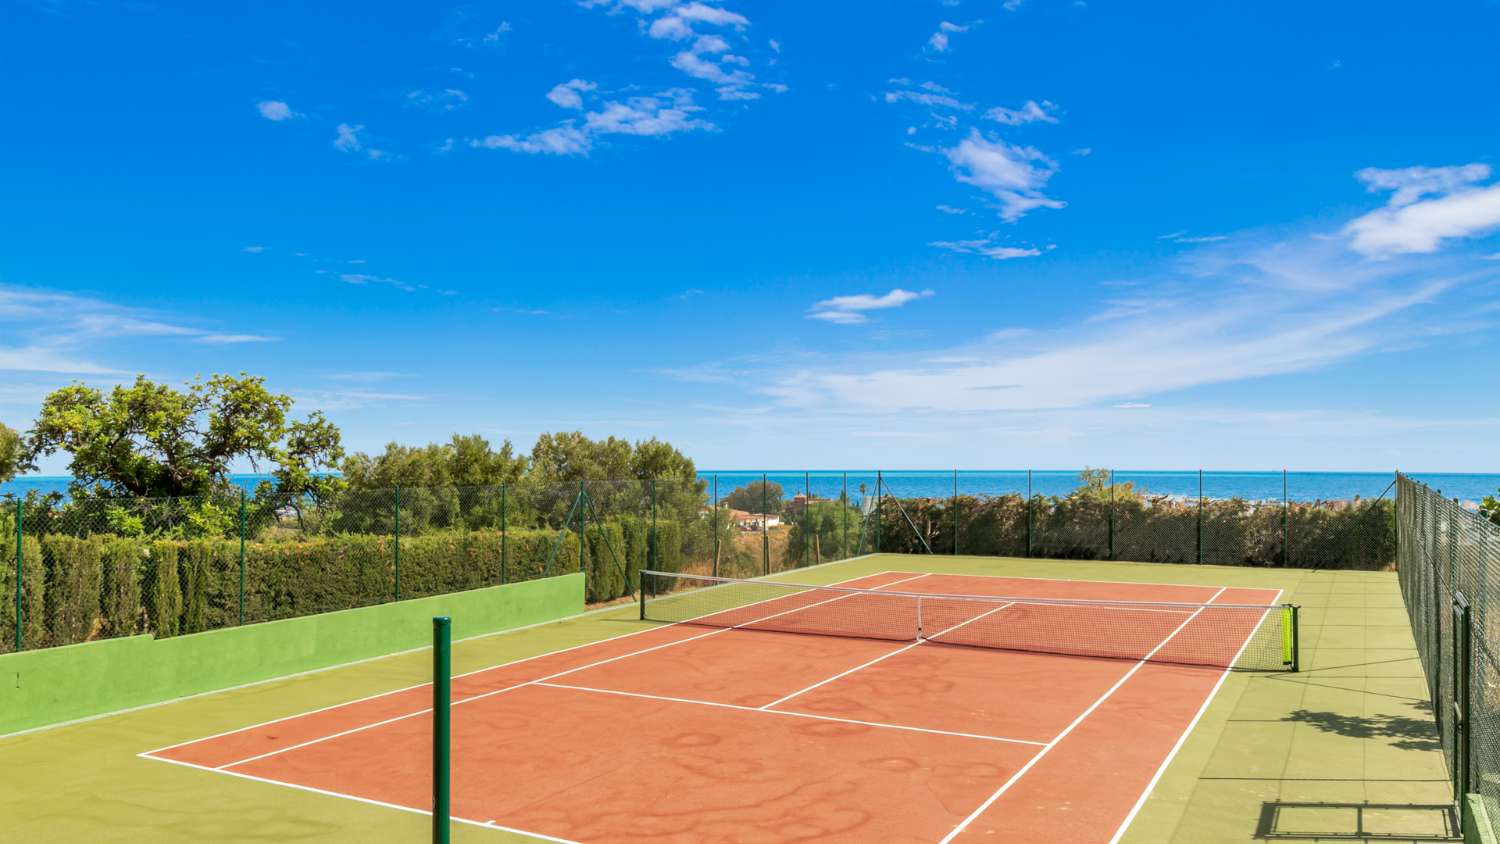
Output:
[[398, 543], [1293, 636], [919, 617], [504, 550], [442, 672], [20, 561], [242, 556], [641, 583]]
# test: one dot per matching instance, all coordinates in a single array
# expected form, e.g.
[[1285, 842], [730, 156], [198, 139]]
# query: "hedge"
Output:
[[33, 627]]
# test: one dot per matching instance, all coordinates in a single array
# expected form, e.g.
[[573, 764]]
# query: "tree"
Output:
[[151, 440], [752, 497], [10, 452], [465, 461], [1490, 508], [1096, 484]]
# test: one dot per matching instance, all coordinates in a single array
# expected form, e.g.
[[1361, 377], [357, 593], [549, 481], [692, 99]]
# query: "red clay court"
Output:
[[938, 707]]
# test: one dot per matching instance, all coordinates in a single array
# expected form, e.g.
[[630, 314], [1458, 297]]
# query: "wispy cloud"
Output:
[[1427, 206], [255, 249], [989, 248], [446, 99], [939, 41], [1014, 175], [851, 309], [275, 110], [665, 113], [363, 279], [704, 27], [569, 94], [928, 94], [1184, 237], [1030, 112]]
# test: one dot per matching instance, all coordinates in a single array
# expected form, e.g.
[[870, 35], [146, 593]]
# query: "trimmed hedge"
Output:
[[33, 626], [1350, 535], [71, 589]]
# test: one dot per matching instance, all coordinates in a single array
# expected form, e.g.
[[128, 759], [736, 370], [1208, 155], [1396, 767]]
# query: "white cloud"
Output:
[[664, 114], [363, 279], [347, 139], [670, 28], [1030, 112], [1012, 174], [712, 15], [850, 310], [275, 110], [568, 94], [227, 339], [939, 41], [710, 44], [1184, 237], [928, 94], [254, 250], [448, 99], [1428, 205], [494, 36], [696, 66], [949, 209], [988, 248]]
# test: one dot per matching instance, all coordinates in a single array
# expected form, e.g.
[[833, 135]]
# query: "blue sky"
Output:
[[972, 234]]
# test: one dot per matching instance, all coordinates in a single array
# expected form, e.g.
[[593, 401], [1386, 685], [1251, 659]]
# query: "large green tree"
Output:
[[465, 460], [757, 496], [10, 452], [153, 440]]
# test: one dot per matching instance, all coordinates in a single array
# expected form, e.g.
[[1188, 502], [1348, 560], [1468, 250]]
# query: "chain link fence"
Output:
[[97, 568], [1449, 565]]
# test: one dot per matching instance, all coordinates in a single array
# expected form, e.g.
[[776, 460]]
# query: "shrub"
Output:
[[72, 589], [33, 578], [121, 596], [162, 588]]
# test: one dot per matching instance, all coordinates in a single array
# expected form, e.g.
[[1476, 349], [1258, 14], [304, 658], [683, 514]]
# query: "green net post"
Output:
[[955, 512], [397, 545], [716, 534], [655, 557], [1291, 647], [1028, 512], [242, 556], [1462, 723], [765, 536], [442, 673], [504, 537], [20, 559], [1111, 514], [1200, 515], [642, 592]]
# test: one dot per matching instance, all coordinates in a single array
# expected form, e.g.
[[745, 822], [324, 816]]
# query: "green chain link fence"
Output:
[[1449, 565], [99, 568]]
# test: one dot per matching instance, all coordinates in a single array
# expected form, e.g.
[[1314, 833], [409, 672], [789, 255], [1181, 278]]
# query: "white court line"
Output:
[[494, 692], [1081, 580], [1182, 739], [810, 715], [495, 668], [900, 650], [1047, 748], [367, 800]]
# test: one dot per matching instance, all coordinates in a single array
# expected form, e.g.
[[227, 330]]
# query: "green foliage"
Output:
[[121, 559], [162, 587], [828, 530], [151, 440], [71, 587], [32, 578], [1490, 508], [754, 496], [10, 452]]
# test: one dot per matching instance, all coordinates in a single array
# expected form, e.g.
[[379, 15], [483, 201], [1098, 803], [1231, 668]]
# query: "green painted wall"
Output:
[[1476, 821], [50, 686]]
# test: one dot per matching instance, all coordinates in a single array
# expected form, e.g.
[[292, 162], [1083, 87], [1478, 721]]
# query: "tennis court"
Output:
[[894, 706]]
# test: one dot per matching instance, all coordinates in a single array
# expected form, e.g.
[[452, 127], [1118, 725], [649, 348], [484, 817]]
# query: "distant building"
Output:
[[754, 521]]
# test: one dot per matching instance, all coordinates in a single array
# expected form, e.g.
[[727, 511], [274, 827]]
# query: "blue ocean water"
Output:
[[1259, 486]]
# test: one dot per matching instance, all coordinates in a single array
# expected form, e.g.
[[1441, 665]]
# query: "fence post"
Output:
[[1286, 543], [242, 556], [1028, 512], [398, 543], [807, 516], [765, 537], [716, 528], [879, 506], [442, 672], [583, 524], [504, 535], [655, 556], [1200, 515], [20, 560], [1111, 514], [955, 512], [844, 506]]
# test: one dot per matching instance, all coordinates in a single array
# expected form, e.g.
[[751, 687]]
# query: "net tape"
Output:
[[1242, 636]]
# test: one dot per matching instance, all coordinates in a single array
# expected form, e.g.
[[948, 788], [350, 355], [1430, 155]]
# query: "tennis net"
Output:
[[1253, 637]]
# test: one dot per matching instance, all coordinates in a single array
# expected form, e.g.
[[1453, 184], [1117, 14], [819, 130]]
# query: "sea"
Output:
[[1468, 488]]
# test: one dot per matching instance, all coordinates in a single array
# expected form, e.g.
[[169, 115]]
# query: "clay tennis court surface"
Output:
[[687, 732]]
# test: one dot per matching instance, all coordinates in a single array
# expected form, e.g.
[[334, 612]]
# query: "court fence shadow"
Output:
[[1322, 821]]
